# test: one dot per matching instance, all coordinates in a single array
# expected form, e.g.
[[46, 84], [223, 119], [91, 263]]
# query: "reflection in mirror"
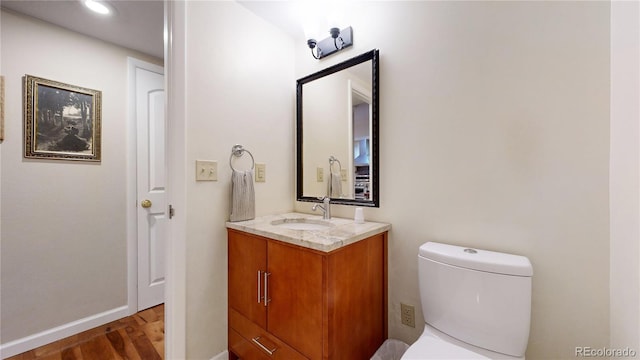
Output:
[[337, 129]]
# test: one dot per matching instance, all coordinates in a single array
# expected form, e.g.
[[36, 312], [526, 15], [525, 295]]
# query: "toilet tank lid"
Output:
[[476, 259]]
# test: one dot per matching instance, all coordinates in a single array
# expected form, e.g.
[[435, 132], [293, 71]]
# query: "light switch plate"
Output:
[[343, 174], [206, 170], [261, 172], [319, 174]]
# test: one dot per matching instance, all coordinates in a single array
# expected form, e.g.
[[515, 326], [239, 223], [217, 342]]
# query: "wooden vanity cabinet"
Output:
[[318, 305]]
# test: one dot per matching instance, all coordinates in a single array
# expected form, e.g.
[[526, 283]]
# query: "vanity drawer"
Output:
[[243, 349], [256, 341]]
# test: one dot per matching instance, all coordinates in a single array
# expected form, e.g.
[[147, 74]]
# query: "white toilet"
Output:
[[476, 304]]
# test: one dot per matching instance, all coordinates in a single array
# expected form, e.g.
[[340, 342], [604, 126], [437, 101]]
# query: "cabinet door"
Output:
[[357, 311], [247, 256], [296, 293]]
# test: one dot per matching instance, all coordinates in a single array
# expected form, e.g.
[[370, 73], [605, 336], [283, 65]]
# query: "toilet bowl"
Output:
[[476, 304]]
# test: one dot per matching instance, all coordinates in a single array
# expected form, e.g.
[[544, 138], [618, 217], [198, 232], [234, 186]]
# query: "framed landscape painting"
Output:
[[61, 121]]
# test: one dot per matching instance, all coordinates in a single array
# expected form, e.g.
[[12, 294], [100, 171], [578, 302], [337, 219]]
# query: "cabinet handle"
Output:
[[259, 290], [266, 288], [256, 340]]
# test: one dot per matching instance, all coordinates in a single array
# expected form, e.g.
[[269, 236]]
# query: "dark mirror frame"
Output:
[[372, 55]]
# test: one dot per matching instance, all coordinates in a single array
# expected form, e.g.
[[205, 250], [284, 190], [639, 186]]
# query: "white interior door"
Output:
[[152, 208]]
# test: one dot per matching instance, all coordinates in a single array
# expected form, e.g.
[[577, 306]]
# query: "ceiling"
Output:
[[137, 25], [295, 17], [283, 14]]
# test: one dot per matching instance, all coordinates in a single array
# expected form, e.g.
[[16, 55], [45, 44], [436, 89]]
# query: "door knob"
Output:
[[146, 203]]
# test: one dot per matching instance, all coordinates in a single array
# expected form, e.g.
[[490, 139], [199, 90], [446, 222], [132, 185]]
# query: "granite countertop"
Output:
[[339, 232]]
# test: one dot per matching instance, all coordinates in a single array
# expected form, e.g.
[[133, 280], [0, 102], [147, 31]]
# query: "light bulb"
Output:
[[98, 7]]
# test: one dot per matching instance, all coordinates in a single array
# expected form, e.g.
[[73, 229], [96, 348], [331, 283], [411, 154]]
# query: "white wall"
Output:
[[63, 235], [625, 175], [495, 134], [240, 90]]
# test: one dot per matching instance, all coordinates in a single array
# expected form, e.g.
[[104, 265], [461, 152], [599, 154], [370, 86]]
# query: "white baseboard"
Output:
[[60, 332], [222, 356]]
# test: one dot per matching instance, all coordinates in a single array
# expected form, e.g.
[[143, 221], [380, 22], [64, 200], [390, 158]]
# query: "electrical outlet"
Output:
[[206, 170], [408, 315], [343, 174], [261, 173], [319, 174]]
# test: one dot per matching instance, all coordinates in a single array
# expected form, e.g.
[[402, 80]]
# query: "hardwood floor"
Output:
[[137, 337]]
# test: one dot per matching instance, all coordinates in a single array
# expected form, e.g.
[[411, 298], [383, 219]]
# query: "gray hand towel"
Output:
[[243, 202], [335, 186]]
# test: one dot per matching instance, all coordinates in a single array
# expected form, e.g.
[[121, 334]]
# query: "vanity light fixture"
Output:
[[338, 40], [97, 6]]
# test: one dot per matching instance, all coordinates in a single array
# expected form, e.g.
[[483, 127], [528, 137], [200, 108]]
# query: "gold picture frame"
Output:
[[61, 121]]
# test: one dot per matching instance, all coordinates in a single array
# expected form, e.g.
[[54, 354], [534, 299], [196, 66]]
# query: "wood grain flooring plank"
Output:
[[148, 315], [155, 333], [145, 348], [136, 337], [128, 321], [72, 353], [29, 355], [159, 311], [138, 320], [134, 332], [60, 345], [52, 356], [98, 348], [117, 342], [130, 350]]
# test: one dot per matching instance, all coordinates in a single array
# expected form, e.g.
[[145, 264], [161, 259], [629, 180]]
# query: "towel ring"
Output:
[[332, 160], [238, 151]]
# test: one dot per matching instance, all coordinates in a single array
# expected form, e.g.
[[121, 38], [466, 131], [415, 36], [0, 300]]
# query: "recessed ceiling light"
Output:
[[97, 6]]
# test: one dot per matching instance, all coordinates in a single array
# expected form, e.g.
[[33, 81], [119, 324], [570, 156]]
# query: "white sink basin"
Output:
[[302, 224]]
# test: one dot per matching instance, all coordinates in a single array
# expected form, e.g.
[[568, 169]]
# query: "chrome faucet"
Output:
[[326, 209]]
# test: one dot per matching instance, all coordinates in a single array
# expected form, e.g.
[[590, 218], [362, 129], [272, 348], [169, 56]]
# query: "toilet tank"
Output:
[[480, 297]]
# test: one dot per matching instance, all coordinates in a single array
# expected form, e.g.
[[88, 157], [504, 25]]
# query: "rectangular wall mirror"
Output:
[[338, 133]]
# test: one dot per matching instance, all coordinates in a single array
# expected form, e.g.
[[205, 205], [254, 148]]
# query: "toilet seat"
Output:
[[434, 344]]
